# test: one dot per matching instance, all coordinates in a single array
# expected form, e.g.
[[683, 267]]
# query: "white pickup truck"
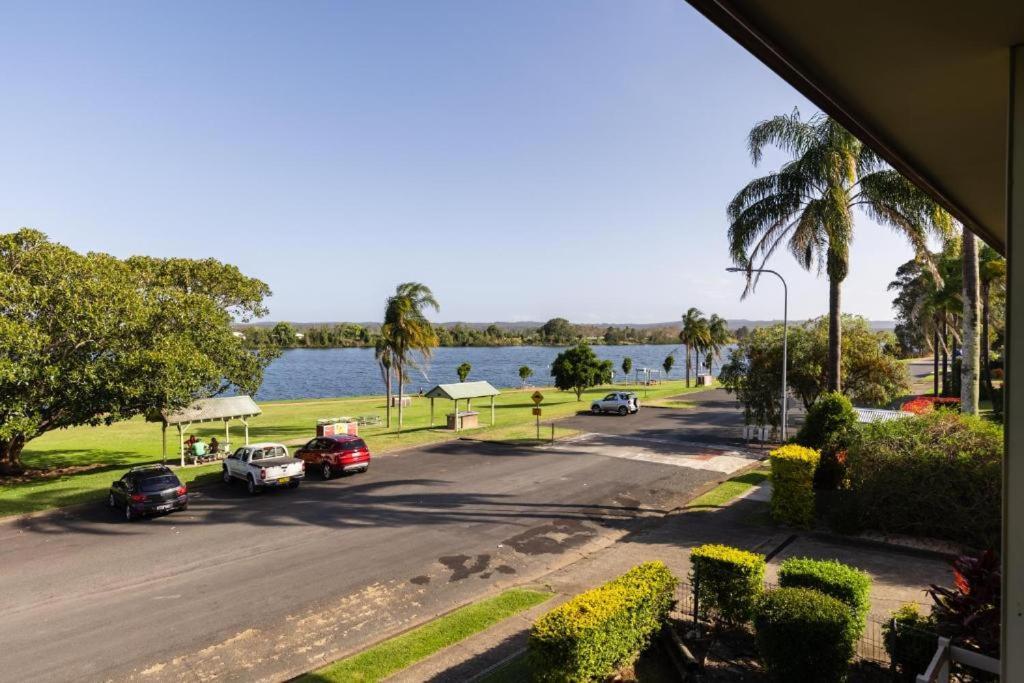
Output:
[[263, 464]]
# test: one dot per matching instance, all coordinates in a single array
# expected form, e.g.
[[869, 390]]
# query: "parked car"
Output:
[[263, 465], [148, 490], [332, 455], [621, 402]]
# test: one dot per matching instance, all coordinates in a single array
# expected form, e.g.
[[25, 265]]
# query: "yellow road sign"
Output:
[[536, 411], [537, 397]]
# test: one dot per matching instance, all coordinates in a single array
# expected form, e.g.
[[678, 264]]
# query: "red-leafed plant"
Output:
[[969, 611], [920, 405]]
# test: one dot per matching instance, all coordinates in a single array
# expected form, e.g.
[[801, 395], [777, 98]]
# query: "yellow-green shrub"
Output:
[[726, 581], [594, 633], [793, 484]]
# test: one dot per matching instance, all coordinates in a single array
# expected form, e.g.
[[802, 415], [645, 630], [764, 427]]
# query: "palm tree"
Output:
[[971, 356], [408, 332], [718, 337], [693, 335], [991, 273], [807, 206], [382, 352]]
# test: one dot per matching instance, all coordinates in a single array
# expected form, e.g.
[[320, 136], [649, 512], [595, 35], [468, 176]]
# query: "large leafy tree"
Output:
[[754, 371], [807, 206], [89, 339], [578, 368], [382, 353], [992, 277], [408, 334]]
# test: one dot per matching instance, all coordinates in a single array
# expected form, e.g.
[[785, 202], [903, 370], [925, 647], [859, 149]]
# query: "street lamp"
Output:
[[785, 331]]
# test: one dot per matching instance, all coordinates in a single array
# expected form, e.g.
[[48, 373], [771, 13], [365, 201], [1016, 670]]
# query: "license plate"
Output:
[[284, 480], [162, 508]]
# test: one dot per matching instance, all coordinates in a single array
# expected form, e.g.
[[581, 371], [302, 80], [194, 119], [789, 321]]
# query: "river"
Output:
[[323, 373]]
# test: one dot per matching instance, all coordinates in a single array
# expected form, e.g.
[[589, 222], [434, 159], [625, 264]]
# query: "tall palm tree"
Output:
[[717, 338], [408, 332], [991, 274], [807, 206], [693, 336], [971, 354], [382, 352]]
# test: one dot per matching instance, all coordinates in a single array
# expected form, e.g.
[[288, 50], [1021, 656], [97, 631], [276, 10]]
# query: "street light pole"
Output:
[[785, 333]]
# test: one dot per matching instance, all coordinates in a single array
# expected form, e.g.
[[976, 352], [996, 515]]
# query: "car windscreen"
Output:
[[159, 483], [352, 445]]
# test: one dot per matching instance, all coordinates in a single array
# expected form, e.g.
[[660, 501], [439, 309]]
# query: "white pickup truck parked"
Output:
[[263, 464]]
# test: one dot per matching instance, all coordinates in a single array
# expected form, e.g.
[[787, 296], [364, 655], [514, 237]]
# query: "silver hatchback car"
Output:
[[621, 402]]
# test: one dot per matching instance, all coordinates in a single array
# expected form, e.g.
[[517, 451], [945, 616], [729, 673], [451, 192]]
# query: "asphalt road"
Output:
[[265, 587]]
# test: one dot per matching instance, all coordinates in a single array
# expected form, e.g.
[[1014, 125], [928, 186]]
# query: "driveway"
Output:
[[265, 587]]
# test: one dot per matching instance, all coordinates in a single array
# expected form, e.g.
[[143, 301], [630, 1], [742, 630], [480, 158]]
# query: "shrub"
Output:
[[843, 582], [969, 611], [727, 581], [936, 475], [595, 632], [828, 423], [910, 639], [793, 469], [803, 635], [921, 405]]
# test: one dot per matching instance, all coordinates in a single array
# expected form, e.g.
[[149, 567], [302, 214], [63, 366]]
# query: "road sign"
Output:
[[537, 397], [536, 411]]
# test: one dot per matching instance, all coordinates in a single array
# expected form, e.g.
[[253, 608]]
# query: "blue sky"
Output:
[[524, 159]]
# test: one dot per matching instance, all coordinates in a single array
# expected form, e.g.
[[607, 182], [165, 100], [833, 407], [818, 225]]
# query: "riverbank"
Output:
[[77, 465]]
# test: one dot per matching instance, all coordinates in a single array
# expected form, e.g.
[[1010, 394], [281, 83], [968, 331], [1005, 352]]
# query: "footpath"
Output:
[[899, 575]]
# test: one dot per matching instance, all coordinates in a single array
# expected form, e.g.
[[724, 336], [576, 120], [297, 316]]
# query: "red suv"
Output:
[[333, 454]]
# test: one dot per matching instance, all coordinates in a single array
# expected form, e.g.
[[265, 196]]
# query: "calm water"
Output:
[[322, 373]]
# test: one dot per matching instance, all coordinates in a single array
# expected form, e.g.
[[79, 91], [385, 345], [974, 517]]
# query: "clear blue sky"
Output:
[[524, 159]]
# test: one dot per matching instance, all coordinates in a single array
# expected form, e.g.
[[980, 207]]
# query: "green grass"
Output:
[[526, 434], [384, 659], [728, 490], [109, 451]]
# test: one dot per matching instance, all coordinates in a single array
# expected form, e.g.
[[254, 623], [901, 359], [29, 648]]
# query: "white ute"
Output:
[[263, 464]]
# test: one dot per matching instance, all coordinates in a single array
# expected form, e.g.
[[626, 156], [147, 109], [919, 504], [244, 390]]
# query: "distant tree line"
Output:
[[555, 332]]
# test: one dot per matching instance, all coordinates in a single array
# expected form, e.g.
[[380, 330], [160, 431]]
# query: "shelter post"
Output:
[[492, 411], [431, 411], [245, 421], [163, 443], [181, 445]]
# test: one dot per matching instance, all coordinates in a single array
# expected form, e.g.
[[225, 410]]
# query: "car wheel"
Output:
[[128, 514], [595, 409], [251, 484], [623, 410], [111, 501], [325, 470], [293, 484], [226, 476]]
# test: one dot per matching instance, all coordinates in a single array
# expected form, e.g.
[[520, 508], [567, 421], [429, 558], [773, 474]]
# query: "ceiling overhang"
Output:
[[926, 84]]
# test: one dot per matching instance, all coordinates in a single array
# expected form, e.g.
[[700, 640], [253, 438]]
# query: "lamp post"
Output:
[[785, 331]]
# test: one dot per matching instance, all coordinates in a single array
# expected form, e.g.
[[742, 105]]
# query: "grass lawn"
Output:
[[106, 452], [384, 659], [728, 490]]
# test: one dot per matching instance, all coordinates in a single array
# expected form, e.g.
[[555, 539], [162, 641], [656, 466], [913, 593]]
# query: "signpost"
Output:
[[537, 397]]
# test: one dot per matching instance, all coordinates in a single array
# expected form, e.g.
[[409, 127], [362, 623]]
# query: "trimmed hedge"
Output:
[[803, 635], [596, 632], [793, 469], [910, 639], [843, 582], [937, 475], [828, 423], [727, 581]]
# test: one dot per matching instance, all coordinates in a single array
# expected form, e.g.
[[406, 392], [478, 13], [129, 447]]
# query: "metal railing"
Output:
[[947, 655]]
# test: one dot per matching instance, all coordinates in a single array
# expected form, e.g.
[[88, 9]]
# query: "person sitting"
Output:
[[199, 450], [214, 446]]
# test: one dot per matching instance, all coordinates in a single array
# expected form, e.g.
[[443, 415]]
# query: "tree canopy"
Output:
[[577, 369], [88, 339]]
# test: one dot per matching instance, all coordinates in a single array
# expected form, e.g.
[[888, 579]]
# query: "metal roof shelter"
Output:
[[208, 410], [459, 391], [937, 88]]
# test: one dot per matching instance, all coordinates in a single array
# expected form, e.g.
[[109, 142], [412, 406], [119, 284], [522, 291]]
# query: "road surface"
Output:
[[265, 587]]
